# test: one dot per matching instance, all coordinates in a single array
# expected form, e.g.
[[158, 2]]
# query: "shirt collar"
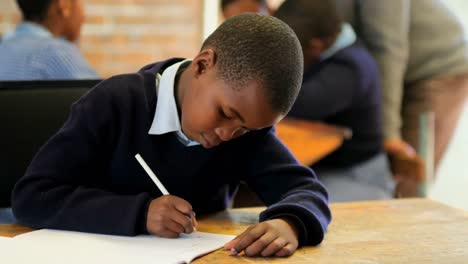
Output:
[[29, 29], [166, 118], [345, 38]]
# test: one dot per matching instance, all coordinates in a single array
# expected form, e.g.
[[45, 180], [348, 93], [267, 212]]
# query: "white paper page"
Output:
[[7, 248], [54, 247]]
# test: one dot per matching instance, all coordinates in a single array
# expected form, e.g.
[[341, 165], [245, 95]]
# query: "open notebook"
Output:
[[54, 247]]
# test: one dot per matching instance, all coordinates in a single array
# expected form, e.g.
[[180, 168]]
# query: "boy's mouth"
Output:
[[208, 143]]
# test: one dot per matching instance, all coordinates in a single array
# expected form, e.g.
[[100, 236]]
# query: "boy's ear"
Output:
[[63, 7], [204, 61], [314, 48], [312, 51]]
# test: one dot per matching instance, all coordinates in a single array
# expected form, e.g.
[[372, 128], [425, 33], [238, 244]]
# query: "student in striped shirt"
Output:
[[41, 47]]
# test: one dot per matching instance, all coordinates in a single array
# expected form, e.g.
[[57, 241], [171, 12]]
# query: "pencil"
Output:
[[157, 181], [151, 175]]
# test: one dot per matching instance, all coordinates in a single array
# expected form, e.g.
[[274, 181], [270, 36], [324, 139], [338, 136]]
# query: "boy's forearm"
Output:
[[79, 209], [288, 188]]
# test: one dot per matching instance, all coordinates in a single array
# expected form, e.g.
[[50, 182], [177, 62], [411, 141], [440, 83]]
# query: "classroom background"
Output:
[[122, 35], [452, 175]]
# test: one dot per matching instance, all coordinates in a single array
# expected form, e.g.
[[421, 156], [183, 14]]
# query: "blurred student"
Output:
[[234, 7], [340, 87], [41, 47], [202, 125], [422, 54]]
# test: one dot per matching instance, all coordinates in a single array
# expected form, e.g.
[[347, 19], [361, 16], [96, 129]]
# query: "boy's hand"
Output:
[[274, 237], [169, 216]]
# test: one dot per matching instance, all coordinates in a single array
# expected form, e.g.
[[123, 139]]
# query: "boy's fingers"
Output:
[[260, 244], [183, 220], [185, 214], [274, 247], [168, 233], [286, 251], [182, 206], [174, 226], [164, 230], [248, 237], [231, 243]]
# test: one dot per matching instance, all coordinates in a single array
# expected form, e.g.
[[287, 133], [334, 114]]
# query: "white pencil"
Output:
[[151, 174], [156, 180]]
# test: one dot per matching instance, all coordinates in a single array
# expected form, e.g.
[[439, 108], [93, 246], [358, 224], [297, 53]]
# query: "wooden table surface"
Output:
[[396, 231]]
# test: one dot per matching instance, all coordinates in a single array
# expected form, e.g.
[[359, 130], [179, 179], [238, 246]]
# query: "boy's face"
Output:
[[213, 112], [244, 6], [74, 18], [312, 52]]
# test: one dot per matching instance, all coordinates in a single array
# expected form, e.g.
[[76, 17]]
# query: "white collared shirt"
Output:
[[345, 38], [166, 118]]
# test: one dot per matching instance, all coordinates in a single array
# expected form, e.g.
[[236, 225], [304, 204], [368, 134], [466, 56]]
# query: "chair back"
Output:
[[30, 113]]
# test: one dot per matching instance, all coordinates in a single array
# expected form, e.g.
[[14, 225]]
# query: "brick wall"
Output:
[[123, 35]]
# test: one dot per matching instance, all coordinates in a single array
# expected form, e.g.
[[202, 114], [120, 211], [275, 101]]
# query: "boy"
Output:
[[340, 87], [202, 126], [41, 46]]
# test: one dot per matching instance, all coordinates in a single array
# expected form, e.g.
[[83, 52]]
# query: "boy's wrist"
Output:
[[296, 225], [143, 223], [292, 222]]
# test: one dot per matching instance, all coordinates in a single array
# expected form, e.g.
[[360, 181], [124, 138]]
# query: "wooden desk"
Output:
[[310, 141], [396, 231]]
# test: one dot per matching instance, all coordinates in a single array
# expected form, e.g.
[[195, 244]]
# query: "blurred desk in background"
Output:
[[311, 141]]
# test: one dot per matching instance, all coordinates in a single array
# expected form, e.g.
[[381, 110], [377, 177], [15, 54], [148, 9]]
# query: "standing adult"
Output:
[[422, 56]]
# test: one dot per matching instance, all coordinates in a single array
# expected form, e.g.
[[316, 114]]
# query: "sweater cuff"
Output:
[[141, 229]]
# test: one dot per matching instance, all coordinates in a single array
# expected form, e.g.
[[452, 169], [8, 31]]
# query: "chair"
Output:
[[426, 150], [30, 113]]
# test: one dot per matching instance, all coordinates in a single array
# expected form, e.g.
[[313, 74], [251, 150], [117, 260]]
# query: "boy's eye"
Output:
[[224, 115], [240, 131]]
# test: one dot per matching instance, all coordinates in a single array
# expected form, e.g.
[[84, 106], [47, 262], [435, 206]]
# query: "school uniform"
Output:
[[343, 89], [86, 178]]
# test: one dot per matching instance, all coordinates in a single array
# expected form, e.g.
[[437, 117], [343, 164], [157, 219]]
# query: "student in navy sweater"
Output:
[[202, 125], [340, 87]]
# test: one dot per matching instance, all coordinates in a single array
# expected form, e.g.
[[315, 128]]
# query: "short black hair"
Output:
[[224, 3], [311, 18], [34, 10], [252, 47]]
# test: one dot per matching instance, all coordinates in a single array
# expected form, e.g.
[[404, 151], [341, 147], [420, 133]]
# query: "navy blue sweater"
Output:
[[344, 90], [85, 178]]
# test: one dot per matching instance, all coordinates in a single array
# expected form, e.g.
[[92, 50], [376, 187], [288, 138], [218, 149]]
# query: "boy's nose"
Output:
[[228, 133]]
